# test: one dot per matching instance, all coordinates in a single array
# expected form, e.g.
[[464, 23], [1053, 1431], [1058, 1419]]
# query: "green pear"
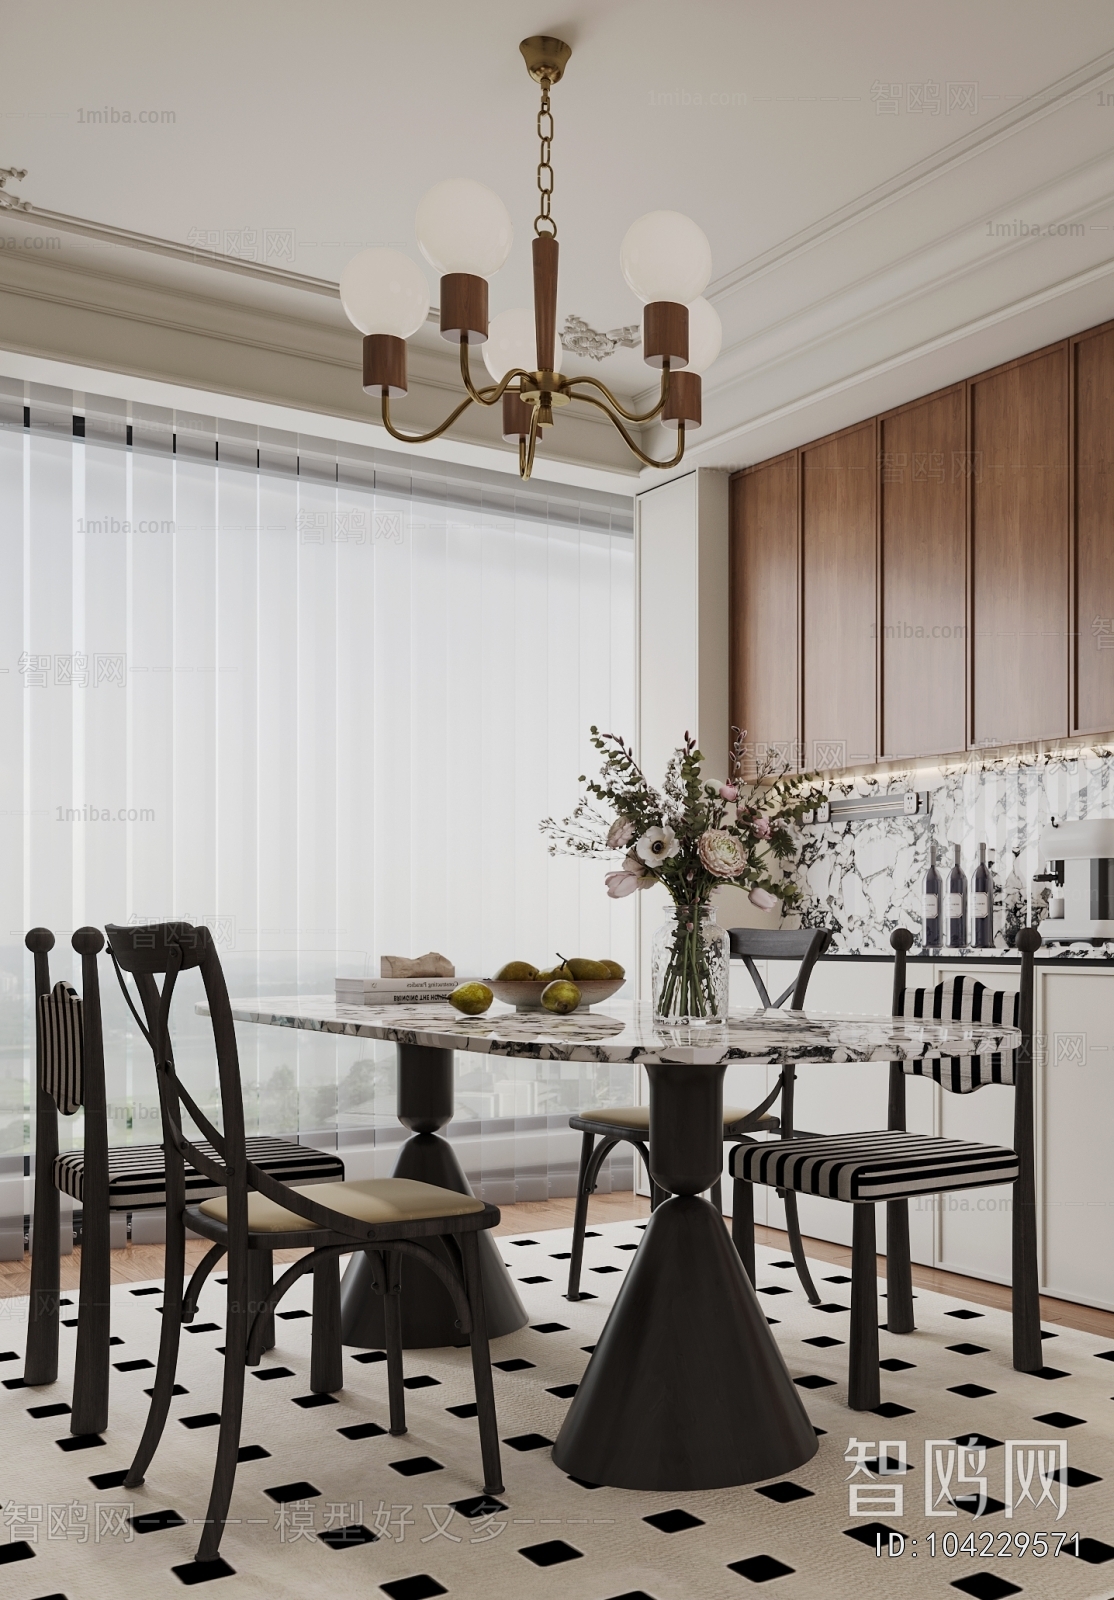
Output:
[[584, 971], [517, 972], [471, 998], [561, 997]]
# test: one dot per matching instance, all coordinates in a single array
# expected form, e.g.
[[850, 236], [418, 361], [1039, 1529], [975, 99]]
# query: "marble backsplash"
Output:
[[862, 879]]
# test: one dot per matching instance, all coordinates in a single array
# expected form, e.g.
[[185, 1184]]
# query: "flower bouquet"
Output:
[[693, 837]]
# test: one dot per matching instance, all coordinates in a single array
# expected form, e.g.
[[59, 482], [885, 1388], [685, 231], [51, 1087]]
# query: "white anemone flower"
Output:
[[657, 845]]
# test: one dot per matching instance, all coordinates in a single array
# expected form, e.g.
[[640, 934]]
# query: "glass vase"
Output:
[[690, 966]]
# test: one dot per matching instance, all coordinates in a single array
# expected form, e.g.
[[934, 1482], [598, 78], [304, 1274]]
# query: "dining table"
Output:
[[686, 1387]]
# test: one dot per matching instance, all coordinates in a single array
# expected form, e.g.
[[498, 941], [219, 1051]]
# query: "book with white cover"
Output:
[[384, 991]]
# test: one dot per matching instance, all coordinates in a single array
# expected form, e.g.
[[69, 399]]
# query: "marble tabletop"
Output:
[[626, 1032]]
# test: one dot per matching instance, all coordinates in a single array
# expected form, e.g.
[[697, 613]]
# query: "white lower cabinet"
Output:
[[1075, 1134]]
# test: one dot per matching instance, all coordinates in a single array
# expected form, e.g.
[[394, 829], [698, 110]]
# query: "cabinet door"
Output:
[[1093, 600], [839, 564], [1075, 1086], [1019, 535], [765, 586], [924, 578]]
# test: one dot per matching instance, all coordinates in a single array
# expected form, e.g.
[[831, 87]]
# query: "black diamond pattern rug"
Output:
[[326, 1501]]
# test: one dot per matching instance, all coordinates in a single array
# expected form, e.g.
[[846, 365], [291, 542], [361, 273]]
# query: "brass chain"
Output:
[[545, 169]]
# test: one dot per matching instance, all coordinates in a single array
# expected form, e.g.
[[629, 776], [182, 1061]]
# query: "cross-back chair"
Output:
[[255, 1215]]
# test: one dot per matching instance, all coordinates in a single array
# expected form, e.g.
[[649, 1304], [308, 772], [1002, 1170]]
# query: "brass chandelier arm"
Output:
[[647, 461], [631, 416], [526, 447], [421, 438], [493, 392]]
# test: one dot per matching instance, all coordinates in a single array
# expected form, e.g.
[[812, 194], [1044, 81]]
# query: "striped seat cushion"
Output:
[[62, 1039], [964, 999], [137, 1179], [874, 1166]]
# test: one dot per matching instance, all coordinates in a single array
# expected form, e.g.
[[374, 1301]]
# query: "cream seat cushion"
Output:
[[371, 1200], [639, 1116]]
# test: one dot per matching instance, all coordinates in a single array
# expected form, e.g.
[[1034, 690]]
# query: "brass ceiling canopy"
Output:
[[545, 58], [464, 230]]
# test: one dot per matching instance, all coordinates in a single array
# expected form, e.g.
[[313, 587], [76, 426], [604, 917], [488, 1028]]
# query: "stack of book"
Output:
[[394, 991]]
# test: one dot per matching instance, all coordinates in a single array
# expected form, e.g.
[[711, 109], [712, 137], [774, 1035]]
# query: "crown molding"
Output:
[[1072, 87]]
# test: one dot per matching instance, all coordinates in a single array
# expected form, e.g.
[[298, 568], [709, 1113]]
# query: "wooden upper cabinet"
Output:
[[765, 644], [839, 561], [1093, 599], [1019, 550], [923, 620]]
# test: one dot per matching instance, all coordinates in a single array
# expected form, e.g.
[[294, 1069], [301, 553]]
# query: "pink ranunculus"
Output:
[[761, 826], [620, 833], [728, 791], [762, 899], [721, 853]]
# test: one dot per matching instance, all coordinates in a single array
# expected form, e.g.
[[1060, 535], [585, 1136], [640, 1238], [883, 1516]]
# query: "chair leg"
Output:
[[742, 1223], [90, 1379], [863, 1389], [796, 1248], [326, 1362], [580, 1216], [169, 1339], [1028, 1350], [715, 1195], [899, 1269], [260, 1283], [41, 1363], [392, 1338], [232, 1403], [481, 1366]]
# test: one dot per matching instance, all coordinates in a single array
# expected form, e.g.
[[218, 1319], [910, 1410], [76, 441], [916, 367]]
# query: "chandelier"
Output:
[[464, 230]]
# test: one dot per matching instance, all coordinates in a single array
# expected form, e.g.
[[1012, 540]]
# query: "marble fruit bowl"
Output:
[[526, 995]]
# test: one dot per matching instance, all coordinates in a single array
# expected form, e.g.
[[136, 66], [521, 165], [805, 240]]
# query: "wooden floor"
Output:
[[142, 1261]]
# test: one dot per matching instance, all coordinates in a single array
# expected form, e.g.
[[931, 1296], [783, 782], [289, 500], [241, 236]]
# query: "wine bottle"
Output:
[[931, 903], [956, 908], [982, 904]]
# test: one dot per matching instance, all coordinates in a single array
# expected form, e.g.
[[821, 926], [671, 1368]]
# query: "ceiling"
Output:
[[870, 176]]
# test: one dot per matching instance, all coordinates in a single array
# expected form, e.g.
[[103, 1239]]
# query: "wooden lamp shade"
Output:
[[682, 403], [516, 417], [665, 334], [384, 365], [464, 307]]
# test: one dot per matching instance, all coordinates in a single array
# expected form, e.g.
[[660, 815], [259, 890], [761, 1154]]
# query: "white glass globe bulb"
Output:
[[463, 227], [665, 256], [383, 291], [705, 335], [511, 343]]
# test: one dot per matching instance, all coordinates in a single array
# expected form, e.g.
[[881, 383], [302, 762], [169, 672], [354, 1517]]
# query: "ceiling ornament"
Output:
[[464, 231], [9, 201], [581, 340]]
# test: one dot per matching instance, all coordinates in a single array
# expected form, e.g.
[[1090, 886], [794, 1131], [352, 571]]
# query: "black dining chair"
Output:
[[613, 1125], [102, 1178], [255, 1215], [894, 1166]]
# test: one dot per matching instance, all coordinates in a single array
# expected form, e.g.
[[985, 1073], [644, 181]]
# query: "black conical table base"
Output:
[[686, 1388], [428, 1315]]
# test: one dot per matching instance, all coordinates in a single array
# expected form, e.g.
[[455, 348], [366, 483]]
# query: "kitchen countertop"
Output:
[[1059, 955]]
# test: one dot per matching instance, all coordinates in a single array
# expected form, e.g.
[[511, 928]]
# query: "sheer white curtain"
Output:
[[320, 706]]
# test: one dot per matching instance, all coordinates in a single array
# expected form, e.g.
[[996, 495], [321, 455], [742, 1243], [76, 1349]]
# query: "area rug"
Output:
[[327, 1502]]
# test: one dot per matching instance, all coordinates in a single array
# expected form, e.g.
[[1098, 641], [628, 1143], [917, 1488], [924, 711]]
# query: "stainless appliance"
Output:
[[1079, 857]]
